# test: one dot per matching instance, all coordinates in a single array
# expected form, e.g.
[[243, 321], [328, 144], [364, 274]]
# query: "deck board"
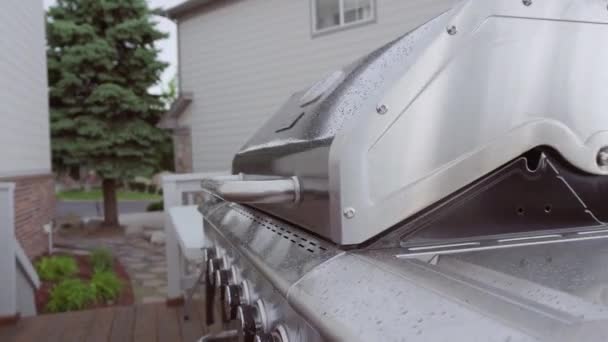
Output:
[[168, 325], [102, 326], [147, 322], [50, 333], [40, 328], [26, 329], [122, 327], [191, 330], [78, 326]]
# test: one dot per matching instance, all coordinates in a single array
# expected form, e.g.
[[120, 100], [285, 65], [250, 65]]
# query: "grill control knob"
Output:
[[225, 277], [252, 321], [279, 334], [234, 296], [222, 278], [209, 253], [263, 337], [214, 265]]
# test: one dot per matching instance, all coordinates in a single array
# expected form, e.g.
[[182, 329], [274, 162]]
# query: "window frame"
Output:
[[342, 26]]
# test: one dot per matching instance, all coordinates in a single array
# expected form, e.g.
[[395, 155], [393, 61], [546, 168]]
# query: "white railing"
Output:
[[183, 230], [8, 266], [18, 279]]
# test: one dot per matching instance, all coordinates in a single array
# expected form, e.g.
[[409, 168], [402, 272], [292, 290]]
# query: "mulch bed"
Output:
[[85, 273]]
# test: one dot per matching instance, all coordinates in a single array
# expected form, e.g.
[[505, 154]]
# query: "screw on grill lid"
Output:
[[602, 157], [382, 109], [349, 213]]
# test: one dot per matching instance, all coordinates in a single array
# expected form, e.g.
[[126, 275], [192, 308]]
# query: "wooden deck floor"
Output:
[[148, 322]]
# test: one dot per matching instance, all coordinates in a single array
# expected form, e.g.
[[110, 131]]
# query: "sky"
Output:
[[168, 46]]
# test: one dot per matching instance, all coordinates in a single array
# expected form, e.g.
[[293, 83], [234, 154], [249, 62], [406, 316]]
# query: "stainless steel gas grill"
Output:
[[448, 186]]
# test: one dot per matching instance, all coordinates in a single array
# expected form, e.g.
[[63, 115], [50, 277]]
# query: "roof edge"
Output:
[[187, 7], [170, 119]]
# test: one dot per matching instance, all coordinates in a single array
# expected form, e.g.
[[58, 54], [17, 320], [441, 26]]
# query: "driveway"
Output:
[[95, 208]]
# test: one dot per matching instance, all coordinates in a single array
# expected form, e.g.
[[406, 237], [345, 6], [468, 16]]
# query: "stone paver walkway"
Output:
[[144, 262]]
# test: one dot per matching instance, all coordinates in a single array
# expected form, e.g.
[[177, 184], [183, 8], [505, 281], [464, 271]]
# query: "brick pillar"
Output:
[[34, 207], [182, 149]]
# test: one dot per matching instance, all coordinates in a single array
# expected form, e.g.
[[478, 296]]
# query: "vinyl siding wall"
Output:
[[24, 114], [242, 59]]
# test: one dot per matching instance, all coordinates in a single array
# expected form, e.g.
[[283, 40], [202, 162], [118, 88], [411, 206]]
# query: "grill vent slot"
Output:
[[295, 238]]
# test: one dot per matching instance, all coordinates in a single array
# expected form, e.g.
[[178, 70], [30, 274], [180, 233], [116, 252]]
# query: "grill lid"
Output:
[[431, 113]]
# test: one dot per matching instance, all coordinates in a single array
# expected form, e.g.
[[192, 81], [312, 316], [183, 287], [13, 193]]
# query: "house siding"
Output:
[[25, 158], [24, 131], [242, 59]]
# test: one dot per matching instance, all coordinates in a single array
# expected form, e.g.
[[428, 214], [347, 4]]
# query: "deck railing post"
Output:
[[172, 198], [178, 190], [8, 267]]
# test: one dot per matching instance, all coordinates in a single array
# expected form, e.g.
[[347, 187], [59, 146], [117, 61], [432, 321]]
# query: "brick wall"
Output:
[[182, 150], [34, 207]]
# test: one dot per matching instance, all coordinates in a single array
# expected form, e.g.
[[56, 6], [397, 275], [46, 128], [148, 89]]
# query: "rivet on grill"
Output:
[[349, 213], [527, 2], [452, 30], [382, 109], [602, 157]]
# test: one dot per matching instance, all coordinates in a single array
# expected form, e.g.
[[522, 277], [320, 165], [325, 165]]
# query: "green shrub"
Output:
[[156, 206], [102, 260], [70, 294], [106, 286], [56, 268]]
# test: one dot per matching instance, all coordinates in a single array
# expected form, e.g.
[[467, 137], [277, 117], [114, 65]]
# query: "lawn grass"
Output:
[[96, 195]]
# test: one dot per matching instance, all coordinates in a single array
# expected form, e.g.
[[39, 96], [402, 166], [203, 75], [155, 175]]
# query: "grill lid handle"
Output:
[[253, 189]]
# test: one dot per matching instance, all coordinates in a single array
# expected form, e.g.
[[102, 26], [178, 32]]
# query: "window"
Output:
[[332, 14]]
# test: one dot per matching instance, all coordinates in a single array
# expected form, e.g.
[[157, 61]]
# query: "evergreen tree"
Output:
[[165, 150], [101, 63]]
